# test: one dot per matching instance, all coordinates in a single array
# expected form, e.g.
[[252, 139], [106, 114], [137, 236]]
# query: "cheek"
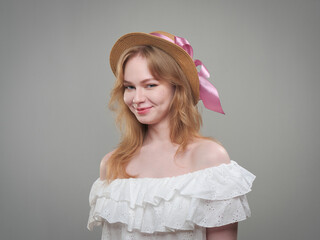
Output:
[[127, 98], [172, 92], [166, 95]]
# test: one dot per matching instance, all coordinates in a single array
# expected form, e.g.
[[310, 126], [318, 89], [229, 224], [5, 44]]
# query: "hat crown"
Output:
[[169, 35]]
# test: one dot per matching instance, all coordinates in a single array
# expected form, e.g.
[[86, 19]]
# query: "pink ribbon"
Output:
[[208, 93]]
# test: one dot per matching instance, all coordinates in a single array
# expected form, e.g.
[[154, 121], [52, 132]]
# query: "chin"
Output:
[[146, 120]]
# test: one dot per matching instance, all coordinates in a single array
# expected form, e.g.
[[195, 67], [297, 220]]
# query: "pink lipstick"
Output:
[[142, 111]]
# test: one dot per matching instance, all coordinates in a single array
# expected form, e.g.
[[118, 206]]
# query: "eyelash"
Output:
[[148, 86]]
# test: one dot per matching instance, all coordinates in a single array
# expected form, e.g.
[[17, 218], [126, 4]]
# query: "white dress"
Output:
[[180, 207]]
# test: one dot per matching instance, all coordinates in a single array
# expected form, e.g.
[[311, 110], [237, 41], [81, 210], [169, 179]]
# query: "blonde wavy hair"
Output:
[[185, 120]]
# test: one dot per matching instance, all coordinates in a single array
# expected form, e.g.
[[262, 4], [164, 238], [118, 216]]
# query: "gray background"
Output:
[[55, 126]]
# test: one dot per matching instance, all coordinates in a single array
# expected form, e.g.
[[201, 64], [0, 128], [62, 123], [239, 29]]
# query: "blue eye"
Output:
[[151, 85], [129, 87]]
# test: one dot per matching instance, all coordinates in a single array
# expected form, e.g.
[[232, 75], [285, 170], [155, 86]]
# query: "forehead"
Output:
[[136, 69]]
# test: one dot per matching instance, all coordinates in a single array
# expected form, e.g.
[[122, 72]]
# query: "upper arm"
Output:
[[226, 232], [103, 166]]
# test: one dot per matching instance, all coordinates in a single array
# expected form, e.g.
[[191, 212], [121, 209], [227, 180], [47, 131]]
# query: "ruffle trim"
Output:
[[208, 198]]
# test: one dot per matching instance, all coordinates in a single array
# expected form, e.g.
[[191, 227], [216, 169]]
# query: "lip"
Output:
[[142, 111]]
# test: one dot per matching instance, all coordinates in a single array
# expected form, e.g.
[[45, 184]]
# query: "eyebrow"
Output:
[[143, 81]]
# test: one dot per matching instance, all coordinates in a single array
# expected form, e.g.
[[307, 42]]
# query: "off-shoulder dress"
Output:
[[179, 207]]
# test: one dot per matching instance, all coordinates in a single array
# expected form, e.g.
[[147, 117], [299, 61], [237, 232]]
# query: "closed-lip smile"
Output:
[[143, 110]]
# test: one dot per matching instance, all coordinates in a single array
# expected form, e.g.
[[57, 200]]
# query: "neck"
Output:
[[158, 133]]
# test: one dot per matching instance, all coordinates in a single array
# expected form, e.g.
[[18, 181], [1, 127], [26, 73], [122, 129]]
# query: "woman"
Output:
[[165, 180]]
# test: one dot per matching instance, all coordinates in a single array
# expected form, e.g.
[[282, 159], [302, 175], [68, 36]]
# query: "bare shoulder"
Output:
[[103, 165], [208, 153]]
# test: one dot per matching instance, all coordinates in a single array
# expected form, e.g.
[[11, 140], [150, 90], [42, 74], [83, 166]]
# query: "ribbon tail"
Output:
[[209, 95]]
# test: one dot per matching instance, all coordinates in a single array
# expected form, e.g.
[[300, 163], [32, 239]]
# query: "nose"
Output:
[[139, 96]]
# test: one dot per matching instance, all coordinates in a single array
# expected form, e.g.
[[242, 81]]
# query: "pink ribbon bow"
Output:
[[208, 93]]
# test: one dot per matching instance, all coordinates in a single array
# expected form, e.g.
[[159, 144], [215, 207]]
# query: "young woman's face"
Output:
[[148, 98]]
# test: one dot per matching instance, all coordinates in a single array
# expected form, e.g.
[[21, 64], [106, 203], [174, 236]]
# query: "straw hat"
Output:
[[176, 52]]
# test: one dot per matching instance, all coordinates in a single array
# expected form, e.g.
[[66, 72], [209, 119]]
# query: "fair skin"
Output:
[[149, 99]]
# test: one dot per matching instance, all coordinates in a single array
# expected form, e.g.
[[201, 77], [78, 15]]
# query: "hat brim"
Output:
[[179, 54]]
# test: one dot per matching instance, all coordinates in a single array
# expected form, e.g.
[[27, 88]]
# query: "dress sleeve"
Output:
[[95, 193], [217, 196]]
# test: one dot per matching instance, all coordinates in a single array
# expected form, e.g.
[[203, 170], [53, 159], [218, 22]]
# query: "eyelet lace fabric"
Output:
[[179, 208]]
